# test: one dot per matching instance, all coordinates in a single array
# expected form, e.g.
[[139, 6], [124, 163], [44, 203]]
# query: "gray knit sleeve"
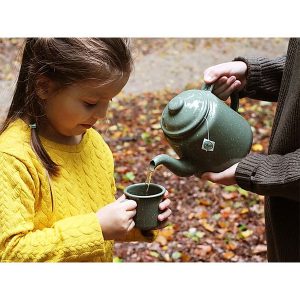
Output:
[[263, 77], [271, 175]]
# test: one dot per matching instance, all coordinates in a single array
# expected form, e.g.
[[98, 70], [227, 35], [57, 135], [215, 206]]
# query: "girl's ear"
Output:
[[44, 87]]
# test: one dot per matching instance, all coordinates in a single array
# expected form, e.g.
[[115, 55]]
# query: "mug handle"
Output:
[[234, 97]]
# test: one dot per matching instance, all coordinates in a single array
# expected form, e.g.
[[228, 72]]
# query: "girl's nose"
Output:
[[99, 115], [101, 110]]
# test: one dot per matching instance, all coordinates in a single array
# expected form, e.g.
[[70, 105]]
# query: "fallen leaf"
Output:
[[161, 240], [244, 210], [167, 233], [259, 249], [154, 254], [176, 255], [207, 226], [231, 246], [204, 249], [206, 202], [228, 255], [246, 233]]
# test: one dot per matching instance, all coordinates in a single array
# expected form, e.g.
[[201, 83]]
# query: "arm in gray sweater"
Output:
[[274, 174], [271, 175], [263, 77]]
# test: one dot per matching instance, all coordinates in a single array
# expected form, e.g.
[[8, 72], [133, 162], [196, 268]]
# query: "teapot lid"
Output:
[[184, 112]]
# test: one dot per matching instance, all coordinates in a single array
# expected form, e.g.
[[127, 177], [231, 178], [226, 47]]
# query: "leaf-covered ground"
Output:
[[209, 222]]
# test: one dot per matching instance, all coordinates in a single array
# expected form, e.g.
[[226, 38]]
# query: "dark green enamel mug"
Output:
[[147, 200]]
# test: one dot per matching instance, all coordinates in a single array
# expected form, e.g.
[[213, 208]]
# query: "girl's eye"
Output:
[[90, 105]]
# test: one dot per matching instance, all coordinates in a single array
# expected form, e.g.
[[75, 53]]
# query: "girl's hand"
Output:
[[226, 177], [166, 211], [227, 77], [116, 219]]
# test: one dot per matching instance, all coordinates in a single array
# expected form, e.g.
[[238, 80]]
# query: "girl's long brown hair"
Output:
[[64, 61]]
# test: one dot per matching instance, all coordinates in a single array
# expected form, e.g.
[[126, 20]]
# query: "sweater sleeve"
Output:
[[263, 77], [70, 239], [271, 175]]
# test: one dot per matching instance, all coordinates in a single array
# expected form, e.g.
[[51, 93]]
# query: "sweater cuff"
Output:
[[246, 170], [253, 76]]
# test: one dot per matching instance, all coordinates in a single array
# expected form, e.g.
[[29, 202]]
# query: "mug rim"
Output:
[[138, 184]]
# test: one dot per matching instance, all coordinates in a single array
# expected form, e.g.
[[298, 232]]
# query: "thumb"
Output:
[[129, 204], [211, 75], [210, 176], [122, 198]]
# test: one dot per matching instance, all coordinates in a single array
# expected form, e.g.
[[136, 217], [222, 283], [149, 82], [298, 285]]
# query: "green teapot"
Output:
[[205, 133]]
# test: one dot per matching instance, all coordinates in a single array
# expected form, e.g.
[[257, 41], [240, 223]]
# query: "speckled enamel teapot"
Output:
[[205, 133]]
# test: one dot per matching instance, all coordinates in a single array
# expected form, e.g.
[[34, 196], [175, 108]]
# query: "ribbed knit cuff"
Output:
[[253, 76], [246, 169]]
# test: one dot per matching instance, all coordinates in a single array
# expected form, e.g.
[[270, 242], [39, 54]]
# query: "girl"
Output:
[[56, 182]]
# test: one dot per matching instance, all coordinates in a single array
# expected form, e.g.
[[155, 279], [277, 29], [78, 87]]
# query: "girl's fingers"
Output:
[[131, 213], [163, 216], [164, 204], [131, 225], [122, 198], [166, 194], [129, 204]]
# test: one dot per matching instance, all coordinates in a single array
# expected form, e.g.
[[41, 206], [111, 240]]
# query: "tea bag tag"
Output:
[[207, 144]]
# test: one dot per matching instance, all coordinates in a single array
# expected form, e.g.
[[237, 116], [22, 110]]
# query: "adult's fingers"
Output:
[[218, 89], [214, 177], [229, 90], [218, 85]]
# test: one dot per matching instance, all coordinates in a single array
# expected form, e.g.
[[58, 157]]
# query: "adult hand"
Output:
[[227, 77], [226, 177]]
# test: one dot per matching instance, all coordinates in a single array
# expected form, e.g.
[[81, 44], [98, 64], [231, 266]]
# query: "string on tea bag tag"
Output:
[[207, 144]]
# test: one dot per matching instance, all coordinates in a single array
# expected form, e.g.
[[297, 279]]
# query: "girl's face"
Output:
[[72, 110]]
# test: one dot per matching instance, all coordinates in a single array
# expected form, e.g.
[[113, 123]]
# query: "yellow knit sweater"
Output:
[[30, 230]]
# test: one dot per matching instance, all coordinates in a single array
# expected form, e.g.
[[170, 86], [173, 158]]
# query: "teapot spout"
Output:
[[179, 167]]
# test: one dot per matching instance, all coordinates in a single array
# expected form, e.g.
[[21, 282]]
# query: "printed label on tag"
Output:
[[208, 145]]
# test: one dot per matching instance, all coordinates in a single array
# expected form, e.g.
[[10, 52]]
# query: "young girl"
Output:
[[56, 181]]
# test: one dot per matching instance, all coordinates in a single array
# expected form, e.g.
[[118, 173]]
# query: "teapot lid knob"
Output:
[[175, 106]]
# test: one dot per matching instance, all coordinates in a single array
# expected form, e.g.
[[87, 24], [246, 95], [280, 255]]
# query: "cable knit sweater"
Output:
[[30, 228], [277, 175]]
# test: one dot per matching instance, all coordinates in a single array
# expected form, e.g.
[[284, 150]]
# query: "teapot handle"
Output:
[[234, 97]]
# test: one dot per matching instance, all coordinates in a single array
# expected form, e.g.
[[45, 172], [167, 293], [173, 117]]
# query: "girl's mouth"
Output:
[[87, 126]]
